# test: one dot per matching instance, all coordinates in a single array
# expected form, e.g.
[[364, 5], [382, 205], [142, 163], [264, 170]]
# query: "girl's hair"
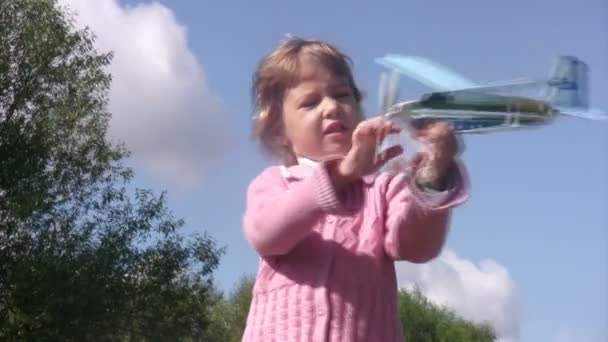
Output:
[[277, 72]]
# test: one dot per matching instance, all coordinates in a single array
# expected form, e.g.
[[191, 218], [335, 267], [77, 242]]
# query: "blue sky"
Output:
[[539, 197]]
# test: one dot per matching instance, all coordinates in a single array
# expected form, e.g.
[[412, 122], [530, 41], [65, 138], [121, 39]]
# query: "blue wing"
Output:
[[426, 72], [591, 114]]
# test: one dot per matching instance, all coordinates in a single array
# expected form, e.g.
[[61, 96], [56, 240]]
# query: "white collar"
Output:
[[307, 161], [304, 167]]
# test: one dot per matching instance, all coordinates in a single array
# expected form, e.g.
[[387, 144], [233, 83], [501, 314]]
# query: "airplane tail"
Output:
[[568, 83], [568, 89]]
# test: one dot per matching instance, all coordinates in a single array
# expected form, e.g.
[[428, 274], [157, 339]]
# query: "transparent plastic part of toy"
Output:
[[411, 147]]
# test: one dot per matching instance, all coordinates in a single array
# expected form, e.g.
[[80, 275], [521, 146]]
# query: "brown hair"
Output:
[[277, 72]]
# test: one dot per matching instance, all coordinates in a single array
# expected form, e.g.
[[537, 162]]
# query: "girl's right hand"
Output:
[[362, 160]]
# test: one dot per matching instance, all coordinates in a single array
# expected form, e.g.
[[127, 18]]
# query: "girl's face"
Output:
[[319, 114]]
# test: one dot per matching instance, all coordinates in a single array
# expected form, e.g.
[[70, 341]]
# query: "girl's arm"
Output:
[[277, 218], [417, 221]]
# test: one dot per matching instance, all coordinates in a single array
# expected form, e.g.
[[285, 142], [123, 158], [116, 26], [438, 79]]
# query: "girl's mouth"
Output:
[[334, 127]]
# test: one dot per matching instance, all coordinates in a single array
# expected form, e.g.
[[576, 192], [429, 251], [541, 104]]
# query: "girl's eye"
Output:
[[308, 103], [343, 94]]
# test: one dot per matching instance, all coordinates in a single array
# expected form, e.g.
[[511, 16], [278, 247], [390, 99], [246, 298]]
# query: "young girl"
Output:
[[327, 225]]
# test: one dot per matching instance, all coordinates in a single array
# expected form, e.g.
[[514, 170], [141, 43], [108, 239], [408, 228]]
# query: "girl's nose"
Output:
[[330, 108]]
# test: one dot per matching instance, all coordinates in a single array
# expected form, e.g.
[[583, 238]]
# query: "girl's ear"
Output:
[[285, 150]]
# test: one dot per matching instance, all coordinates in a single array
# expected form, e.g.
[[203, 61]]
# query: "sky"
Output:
[[528, 252]]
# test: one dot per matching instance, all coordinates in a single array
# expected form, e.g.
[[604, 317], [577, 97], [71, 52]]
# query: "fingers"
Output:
[[421, 124], [418, 159], [430, 128], [383, 129], [367, 137], [377, 128], [387, 155], [438, 135]]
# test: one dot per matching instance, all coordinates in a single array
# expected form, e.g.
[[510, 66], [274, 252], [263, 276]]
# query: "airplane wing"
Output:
[[591, 114], [512, 86], [441, 78], [426, 72]]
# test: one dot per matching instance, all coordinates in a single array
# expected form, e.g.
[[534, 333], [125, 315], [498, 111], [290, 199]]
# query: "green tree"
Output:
[[229, 312], [423, 321], [82, 257]]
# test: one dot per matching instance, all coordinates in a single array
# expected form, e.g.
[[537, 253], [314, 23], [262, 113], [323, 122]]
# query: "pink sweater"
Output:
[[327, 261]]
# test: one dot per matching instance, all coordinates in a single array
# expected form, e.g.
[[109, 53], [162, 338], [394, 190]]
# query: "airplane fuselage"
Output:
[[477, 112]]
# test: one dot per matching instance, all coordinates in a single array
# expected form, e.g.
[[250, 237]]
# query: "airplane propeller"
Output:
[[388, 90]]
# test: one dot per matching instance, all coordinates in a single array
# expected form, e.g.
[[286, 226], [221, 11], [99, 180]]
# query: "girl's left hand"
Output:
[[440, 148]]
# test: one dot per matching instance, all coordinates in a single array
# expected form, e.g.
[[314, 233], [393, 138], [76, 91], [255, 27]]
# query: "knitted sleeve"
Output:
[[277, 217], [416, 222]]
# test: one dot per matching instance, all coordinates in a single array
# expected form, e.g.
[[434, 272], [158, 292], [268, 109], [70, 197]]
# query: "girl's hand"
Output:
[[441, 146], [361, 160]]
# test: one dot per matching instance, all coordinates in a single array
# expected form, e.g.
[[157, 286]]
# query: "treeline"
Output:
[[81, 257]]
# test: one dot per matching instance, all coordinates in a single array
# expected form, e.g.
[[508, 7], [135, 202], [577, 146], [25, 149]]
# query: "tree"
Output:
[[422, 321], [229, 312], [82, 257]]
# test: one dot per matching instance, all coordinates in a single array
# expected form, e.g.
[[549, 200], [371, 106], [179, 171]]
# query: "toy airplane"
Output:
[[473, 108]]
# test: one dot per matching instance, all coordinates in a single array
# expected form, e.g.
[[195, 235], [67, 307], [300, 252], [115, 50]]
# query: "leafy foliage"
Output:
[[53, 118], [229, 313], [82, 257], [426, 322]]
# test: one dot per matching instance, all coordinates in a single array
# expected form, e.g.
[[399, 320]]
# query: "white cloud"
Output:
[[482, 292], [161, 106]]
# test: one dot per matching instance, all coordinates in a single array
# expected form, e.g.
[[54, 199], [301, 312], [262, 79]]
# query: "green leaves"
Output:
[[228, 314], [82, 257], [53, 119], [423, 321]]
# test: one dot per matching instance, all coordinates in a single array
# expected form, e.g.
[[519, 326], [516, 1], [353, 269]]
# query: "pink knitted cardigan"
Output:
[[327, 260]]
